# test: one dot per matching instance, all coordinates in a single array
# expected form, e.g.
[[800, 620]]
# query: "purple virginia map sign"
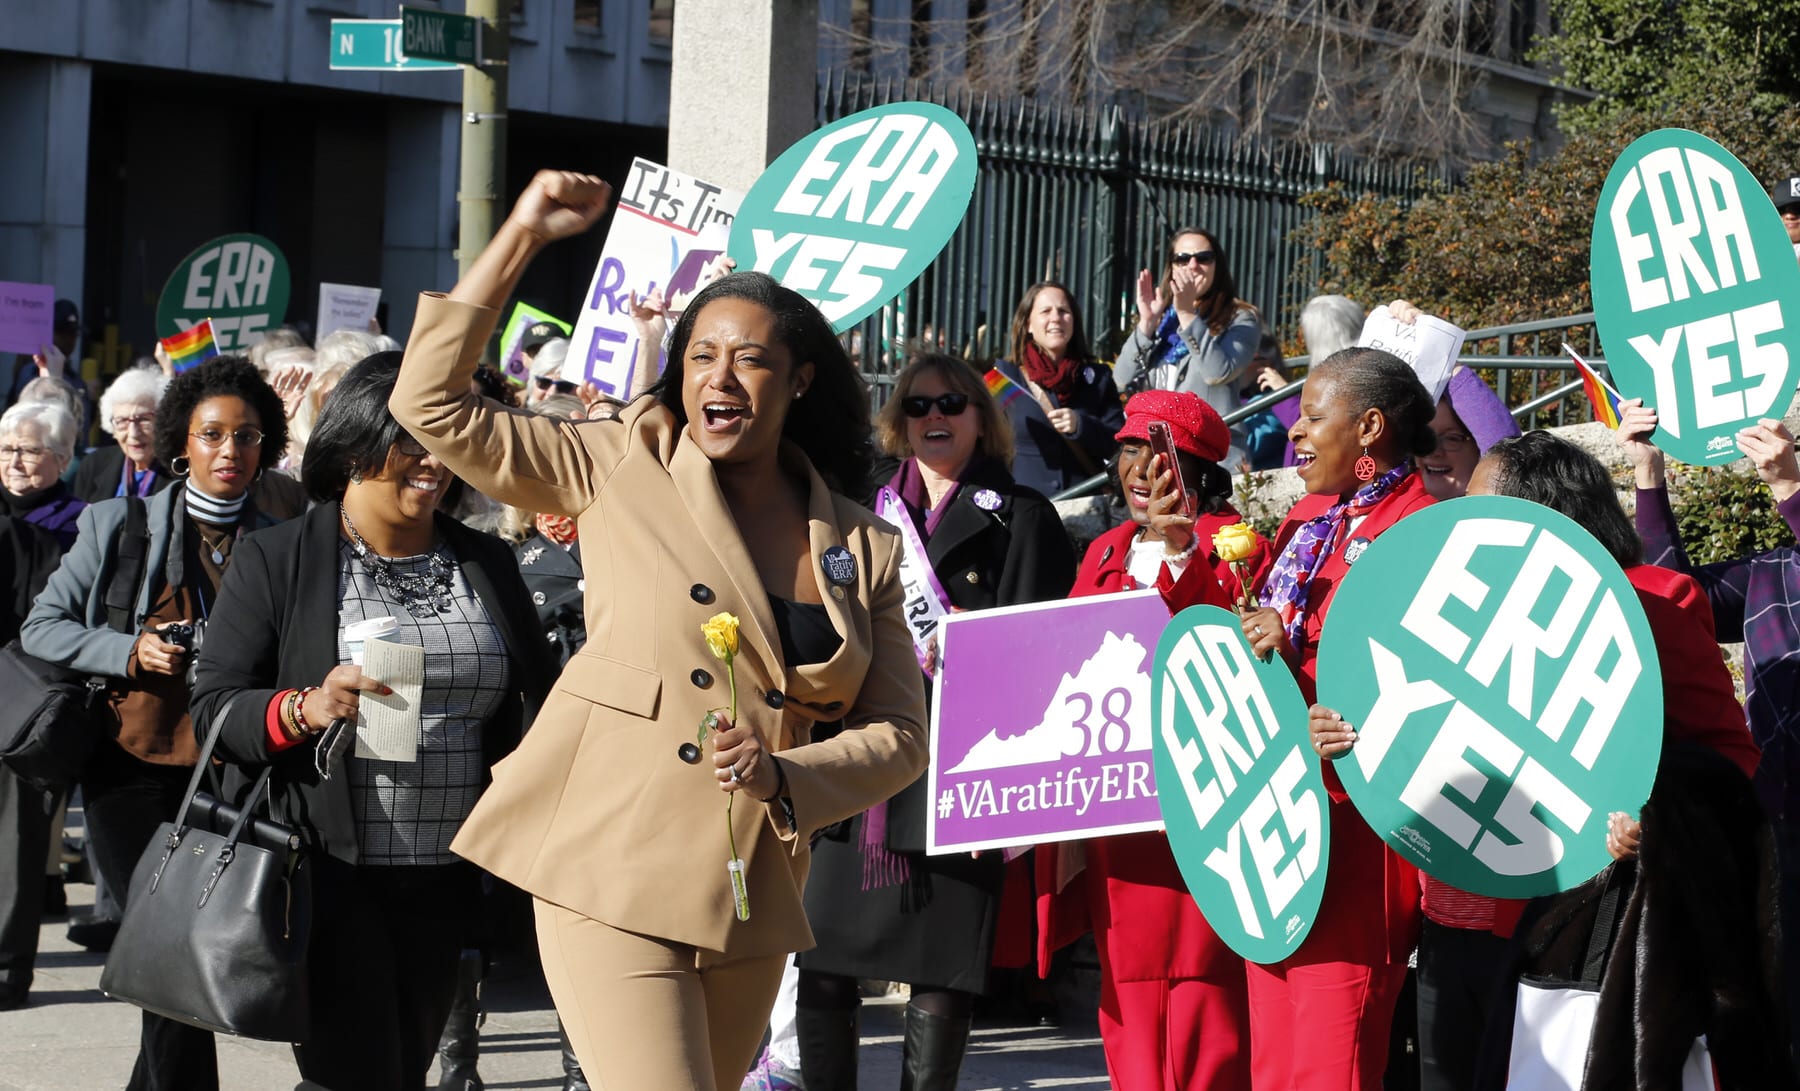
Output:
[[1040, 724]]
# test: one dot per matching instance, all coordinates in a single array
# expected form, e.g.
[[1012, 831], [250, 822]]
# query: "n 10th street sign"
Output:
[[441, 36], [373, 45]]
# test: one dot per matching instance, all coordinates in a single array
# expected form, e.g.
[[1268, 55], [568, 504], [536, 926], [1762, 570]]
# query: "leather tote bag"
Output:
[[218, 917]]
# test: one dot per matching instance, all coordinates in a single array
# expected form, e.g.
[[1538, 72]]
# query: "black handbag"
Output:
[[47, 741], [218, 917], [51, 727]]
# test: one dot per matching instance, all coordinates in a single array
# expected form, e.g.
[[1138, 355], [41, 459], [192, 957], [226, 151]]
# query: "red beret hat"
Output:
[[1195, 426]]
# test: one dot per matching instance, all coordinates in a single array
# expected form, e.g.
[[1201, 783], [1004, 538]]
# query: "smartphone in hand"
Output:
[[1162, 442]]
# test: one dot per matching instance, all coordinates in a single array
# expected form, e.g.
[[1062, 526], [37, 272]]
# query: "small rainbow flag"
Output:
[[1601, 396], [192, 347], [1004, 390]]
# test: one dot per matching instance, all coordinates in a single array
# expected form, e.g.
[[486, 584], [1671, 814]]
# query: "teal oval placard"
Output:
[[1696, 293], [239, 281], [854, 213], [1239, 787], [1505, 690]]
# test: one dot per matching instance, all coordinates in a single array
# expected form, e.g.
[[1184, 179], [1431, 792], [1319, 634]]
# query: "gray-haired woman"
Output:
[[128, 415], [37, 440]]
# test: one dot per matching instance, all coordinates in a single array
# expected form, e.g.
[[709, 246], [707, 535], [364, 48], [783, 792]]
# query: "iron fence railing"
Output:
[[1087, 196]]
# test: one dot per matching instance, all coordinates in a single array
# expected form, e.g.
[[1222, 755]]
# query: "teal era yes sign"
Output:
[[1239, 787], [1505, 691], [854, 213], [1696, 292]]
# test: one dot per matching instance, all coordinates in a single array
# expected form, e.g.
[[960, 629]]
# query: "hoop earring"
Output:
[[260, 470], [1365, 466], [180, 471]]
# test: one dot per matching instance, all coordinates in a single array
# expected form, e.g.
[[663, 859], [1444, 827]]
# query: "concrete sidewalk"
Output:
[[70, 1038]]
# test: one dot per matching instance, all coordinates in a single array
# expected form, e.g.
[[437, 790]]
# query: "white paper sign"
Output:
[[387, 728], [669, 225], [1430, 345], [345, 305]]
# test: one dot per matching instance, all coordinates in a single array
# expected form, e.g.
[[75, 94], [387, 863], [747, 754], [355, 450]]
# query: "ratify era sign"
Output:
[[1242, 798], [1505, 689], [1040, 723], [239, 281], [855, 212], [1696, 292]]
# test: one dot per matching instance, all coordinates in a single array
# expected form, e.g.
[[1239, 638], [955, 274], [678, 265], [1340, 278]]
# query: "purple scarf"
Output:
[[1290, 581]]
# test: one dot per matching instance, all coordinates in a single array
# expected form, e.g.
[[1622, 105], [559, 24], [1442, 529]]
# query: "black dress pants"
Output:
[[24, 842], [125, 800], [382, 964]]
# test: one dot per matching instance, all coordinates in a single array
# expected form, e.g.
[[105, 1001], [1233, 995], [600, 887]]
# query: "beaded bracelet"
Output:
[[300, 696]]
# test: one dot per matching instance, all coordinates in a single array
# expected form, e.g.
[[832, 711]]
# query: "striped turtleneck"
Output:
[[210, 509]]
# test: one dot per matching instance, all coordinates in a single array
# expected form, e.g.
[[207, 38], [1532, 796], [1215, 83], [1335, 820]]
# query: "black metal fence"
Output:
[[1088, 197]]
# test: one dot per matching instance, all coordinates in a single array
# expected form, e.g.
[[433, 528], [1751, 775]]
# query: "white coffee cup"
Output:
[[374, 628]]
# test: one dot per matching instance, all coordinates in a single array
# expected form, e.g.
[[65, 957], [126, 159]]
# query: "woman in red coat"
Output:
[[1319, 1019], [1172, 995]]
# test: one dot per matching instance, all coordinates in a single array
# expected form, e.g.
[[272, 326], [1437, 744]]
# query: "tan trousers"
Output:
[[641, 1012]]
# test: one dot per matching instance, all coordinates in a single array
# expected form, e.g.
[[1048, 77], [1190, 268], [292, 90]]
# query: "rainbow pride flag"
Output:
[[1004, 390], [1600, 395], [192, 347]]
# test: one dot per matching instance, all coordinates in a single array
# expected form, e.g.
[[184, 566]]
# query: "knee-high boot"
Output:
[[573, 1080], [934, 1046], [461, 1044], [828, 1042]]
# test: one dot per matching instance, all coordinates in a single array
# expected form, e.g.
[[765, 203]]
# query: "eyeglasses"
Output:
[[918, 405], [1204, 257], [409, 447], [562, 386], [214, 438], [1455, 442], [30, 456], [129, 424]]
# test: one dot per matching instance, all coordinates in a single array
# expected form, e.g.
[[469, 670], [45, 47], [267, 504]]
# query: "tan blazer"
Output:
[[595, 811]]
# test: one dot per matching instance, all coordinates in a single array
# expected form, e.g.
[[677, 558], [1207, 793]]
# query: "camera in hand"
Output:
[[179, 633]]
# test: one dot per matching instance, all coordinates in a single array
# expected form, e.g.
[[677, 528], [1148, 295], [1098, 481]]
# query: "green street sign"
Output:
[[373, 45], [1240, 790], [1505, 690], [440, 36], [854, 213], [239, 281], [1696, 293]]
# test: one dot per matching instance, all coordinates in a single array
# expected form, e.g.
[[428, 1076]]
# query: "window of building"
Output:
[[587, 15], [862, 28], [662, 21]]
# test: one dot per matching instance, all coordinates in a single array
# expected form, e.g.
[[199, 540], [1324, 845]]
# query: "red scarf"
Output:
[[1056, 376]]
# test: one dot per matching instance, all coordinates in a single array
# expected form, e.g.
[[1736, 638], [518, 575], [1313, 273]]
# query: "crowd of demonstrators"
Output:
[[1193, 333], [1063, 432], [694, 621], [880, 907]]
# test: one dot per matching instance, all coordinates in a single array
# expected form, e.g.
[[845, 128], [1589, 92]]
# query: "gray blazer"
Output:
[[67, 625], [1213, 369]]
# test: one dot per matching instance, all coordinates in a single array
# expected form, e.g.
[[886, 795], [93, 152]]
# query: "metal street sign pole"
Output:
[[483, 181]]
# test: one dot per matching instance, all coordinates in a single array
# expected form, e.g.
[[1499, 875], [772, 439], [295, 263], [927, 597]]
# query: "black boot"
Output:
[[573, 1080], [934, 1047], [461, 1044], [828, 1041]]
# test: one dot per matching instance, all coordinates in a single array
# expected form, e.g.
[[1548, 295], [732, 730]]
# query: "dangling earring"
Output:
[[1365, 466], [180, 471], [355, 477]]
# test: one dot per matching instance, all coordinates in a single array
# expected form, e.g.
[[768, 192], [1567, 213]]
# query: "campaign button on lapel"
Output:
[[839, 566], [701, 594]]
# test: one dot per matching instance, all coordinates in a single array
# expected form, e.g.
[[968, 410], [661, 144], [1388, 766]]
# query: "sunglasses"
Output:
[[561, 386], [1204, 257], [918, 405]]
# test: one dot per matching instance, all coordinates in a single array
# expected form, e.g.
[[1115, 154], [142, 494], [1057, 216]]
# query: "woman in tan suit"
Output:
[[720, 493]]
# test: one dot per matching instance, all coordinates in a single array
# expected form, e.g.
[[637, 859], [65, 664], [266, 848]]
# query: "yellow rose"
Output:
[[721, 632], [1236, 542]]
